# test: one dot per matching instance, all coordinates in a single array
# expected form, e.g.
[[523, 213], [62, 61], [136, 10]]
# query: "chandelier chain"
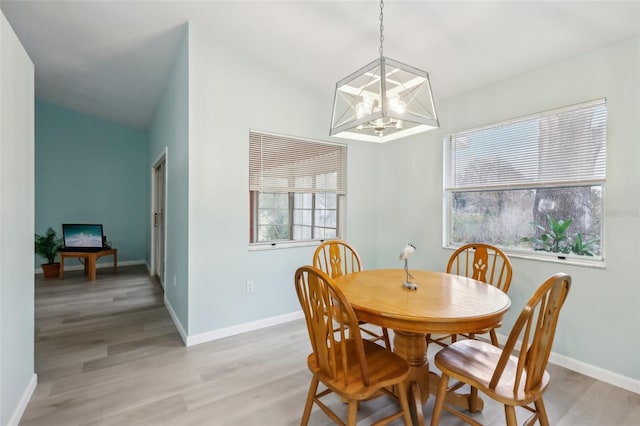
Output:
[[384, 100], [381, 26]]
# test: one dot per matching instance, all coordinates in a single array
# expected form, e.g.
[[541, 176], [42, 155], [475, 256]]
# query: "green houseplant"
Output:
[[48, 246], [555, 239]]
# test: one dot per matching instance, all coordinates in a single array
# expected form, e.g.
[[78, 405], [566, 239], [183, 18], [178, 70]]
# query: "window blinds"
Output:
[[562, 147], [286, 164]]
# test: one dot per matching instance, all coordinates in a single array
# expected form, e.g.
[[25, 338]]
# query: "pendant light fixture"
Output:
[[383, 101]]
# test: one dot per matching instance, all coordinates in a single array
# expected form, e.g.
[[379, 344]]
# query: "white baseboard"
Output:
[[589, 370], [601, 374], [99, 265], [24, 400], [176, 320], [242, 328]]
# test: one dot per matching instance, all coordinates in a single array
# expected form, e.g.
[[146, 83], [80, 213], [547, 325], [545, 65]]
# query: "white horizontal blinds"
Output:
[[286, 164], [563, 147]]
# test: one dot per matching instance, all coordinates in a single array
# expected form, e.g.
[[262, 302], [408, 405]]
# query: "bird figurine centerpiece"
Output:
[[408, 250]]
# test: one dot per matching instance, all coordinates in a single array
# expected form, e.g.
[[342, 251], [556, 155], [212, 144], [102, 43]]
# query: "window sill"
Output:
[[574, 261], [282, 245], [583, 261]]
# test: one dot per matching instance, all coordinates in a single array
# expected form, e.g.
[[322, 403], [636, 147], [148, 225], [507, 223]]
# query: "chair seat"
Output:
[[385, 369], [477, 360]]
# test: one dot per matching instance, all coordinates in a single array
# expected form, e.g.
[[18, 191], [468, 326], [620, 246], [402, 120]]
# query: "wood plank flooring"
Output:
[[107, 353]]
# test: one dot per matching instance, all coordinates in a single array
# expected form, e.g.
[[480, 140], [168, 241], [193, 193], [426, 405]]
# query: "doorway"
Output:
[[158, 222]]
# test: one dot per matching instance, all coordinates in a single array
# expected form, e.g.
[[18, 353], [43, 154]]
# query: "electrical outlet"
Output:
[[250, 287], [174, 280]]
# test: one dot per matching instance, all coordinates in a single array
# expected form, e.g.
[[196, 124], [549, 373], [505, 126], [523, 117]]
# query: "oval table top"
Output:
[[442, 303]]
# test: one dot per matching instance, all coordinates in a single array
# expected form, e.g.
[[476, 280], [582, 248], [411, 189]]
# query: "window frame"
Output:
[[597, 261], [254, 229], [531, 254], [307, 170]]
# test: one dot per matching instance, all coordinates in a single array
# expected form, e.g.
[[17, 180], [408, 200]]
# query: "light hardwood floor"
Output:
[[107, 353]]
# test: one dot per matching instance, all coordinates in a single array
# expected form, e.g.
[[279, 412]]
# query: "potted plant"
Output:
[[48, 246]]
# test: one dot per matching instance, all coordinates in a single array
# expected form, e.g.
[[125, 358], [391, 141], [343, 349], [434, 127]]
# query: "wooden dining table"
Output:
[[441, 303]]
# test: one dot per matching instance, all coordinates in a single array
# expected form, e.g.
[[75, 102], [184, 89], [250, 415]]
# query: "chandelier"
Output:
[[383, 101]]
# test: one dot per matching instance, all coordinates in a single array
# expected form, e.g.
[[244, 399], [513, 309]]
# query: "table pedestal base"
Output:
[[413, 348]]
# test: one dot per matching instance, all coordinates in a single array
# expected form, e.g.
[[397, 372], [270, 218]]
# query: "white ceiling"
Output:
[[111, 58]]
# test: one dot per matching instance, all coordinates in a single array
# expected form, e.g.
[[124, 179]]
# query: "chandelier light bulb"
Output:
[[397, 105], [366, 107]]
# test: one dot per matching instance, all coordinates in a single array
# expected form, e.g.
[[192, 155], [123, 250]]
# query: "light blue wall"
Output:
[[603, 307], [89, 170], [170, 129], [17, 376], [231, 93]]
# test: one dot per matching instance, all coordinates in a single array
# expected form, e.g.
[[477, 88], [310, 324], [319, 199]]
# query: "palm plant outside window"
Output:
[[533, 184]]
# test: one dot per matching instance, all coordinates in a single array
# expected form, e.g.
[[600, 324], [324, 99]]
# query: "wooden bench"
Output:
[[90, 260]]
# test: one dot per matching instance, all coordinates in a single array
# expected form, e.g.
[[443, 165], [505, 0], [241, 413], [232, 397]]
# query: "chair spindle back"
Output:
[[332, 324], [482, 262], [535, 328], [337, 258]]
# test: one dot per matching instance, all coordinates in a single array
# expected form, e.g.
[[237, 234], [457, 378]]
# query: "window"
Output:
[[296, 188], [533, 184]]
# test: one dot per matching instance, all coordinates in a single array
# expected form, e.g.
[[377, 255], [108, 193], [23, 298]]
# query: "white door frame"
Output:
[[163, 157]]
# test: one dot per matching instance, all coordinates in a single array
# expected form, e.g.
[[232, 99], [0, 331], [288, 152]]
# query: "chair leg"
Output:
[[473, 400], [440, 397], [510, 412], [494, 338], [542, 412], [313, 387], [404, 403], [385, 335], [352, 413]]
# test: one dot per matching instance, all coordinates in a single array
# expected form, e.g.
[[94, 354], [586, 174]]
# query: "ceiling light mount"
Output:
[[383, 101]]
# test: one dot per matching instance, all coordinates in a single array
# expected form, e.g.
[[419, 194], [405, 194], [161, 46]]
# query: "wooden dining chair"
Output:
[[482, 262], [515, 376], [353, 368], [337, 258]]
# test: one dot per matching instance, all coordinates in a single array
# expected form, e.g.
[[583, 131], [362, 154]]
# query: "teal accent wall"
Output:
[[170, 129], [89, 170]]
